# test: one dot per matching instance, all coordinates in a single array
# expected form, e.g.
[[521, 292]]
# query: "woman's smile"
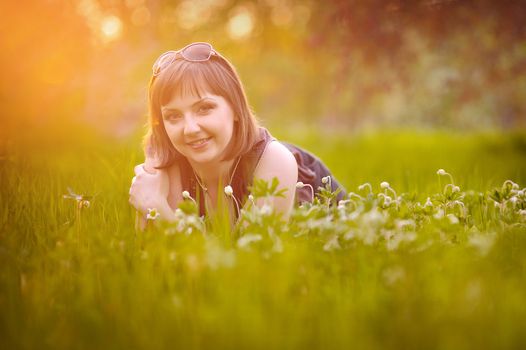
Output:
[[200, 143]]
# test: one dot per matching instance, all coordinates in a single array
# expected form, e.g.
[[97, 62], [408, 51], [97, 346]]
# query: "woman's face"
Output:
[[200, 128]]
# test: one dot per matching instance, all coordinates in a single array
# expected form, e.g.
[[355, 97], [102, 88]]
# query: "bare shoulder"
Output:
[[277, 161]]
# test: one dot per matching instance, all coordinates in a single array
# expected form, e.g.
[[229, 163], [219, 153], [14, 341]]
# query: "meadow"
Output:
[[415, 258]]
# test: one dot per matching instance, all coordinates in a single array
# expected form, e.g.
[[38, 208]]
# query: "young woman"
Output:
[[203, 137]]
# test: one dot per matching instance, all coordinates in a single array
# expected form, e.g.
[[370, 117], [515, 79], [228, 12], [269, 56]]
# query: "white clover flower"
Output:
[[186, 195], [191, 220], [523, 212], [82, 200], [373, 218], [265, 209], [455, 189], [441, 172], [152, 214], [520, 193], [300, 184], [439, 214], [384, 185], [513, 199], [325, 179], [428, 202], [512, 184], [452, 218], [251, 198], [364, 186], [403, 223], [245, 240], [228, 190], [457, 202]]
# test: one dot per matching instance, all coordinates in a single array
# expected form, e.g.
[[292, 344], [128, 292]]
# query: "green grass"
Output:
[[67, 283]]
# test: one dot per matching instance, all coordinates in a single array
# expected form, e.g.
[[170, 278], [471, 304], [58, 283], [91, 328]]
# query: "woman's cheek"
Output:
[[171, 133]]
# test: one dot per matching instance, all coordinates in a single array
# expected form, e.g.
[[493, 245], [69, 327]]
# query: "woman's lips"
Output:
[[197, 144]]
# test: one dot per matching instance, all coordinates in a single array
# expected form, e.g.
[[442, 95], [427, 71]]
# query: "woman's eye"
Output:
[[205, 109], [172, 117]]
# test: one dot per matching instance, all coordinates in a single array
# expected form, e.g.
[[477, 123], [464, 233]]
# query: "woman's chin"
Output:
[[209, 154], [202, 158]]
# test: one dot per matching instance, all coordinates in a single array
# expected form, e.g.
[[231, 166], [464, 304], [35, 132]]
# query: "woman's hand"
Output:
[[149, 189]]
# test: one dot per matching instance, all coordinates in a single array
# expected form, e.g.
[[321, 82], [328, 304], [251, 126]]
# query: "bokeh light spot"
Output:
[[241, 24], [111, 28], [191, 14]]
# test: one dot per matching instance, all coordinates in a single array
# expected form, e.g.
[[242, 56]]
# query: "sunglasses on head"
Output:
[[195, 52]]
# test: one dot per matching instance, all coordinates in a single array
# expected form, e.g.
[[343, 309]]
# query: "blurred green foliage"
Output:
[[323, 74], [83, 278], [336, 64]]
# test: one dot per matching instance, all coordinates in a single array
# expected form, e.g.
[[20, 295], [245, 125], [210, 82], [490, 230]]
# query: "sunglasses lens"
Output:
[[197, 52]]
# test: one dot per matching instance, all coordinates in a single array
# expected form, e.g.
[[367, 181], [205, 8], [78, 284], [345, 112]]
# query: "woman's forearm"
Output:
[[167, 214]]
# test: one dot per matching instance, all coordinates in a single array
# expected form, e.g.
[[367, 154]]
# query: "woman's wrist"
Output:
[[166, 212]]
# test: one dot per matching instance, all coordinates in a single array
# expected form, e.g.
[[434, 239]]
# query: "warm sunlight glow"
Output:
[[282, 15], [191, 14], [134, 3], [241, 24], [111, 28], [140, 16]]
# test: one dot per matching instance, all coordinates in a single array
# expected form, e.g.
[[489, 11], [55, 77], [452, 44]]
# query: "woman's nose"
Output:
[[191, 126]]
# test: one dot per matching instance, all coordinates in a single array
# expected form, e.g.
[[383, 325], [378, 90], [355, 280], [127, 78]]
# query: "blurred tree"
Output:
[[482, 42], [456, 63]]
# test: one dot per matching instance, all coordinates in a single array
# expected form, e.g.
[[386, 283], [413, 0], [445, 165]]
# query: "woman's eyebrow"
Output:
[[168, 109]]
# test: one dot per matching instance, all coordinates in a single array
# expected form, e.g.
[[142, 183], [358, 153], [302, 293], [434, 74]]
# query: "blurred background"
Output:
[[346, 65], [380, 90]]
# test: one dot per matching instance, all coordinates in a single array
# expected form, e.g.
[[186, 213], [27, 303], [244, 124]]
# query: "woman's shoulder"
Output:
[[277, 160], [278, 150]]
